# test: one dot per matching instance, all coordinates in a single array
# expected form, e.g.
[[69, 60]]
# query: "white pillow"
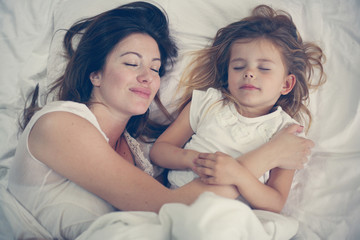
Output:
[[192, 23]]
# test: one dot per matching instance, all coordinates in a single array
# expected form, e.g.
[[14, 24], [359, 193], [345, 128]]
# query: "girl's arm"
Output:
[[220, 169], [285, 150], [168, 151]]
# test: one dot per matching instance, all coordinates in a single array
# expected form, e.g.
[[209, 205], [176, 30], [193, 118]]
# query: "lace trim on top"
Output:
[[141, 161]]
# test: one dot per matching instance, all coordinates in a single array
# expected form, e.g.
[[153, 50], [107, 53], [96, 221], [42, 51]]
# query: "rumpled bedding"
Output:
[[324, 202], [210, 217]]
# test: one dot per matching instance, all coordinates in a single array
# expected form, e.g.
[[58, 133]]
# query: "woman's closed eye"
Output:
[[131, 64], [155, 70]]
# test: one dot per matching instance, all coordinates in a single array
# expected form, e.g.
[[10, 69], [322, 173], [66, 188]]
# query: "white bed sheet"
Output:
[[326, 195]]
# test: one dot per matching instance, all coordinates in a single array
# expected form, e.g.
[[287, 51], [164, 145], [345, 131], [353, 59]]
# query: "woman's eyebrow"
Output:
[[139, 55]]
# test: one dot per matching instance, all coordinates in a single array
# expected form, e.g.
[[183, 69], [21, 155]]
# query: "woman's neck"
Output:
[[113, 125]]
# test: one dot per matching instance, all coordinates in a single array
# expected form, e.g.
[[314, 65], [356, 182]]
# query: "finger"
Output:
[[208, 180], [203, 171], [209, 156], [302, 164], [311, 143], [200, 174], [294, 128], [204, 163]]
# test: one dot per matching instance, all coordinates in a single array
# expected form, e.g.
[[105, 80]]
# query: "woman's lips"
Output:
[[142, 92]]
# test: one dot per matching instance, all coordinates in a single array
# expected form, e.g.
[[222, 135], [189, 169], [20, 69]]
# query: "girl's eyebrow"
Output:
[[238, 60], [259, 60], [139, 55], [265, 60]]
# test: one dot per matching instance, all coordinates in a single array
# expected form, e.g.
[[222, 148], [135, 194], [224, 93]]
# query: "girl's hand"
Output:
[[217, 168], [290, 151]]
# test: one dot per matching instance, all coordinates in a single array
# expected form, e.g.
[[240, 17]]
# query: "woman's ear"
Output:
[[289, 84], [95, 78]]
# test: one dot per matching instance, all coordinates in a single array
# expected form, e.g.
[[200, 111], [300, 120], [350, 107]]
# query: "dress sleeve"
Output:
[[200, 103], [287, 120]]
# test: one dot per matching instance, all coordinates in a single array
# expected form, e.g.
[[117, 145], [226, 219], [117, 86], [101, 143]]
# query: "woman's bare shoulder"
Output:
[[60, 135]]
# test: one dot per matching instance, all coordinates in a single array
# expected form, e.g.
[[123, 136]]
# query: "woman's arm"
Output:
[[75, 149], [168, 151]]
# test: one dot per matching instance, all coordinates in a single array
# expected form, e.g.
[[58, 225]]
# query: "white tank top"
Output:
[[62, 207]]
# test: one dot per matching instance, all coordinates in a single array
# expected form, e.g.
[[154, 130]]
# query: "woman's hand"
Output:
[[217, 168], [288, 150]]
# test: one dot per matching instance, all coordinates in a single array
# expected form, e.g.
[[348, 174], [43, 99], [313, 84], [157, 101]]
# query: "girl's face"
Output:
[[257, 76], [130, 78]]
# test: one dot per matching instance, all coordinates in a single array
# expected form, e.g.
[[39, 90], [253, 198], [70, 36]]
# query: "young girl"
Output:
[[253, 81]]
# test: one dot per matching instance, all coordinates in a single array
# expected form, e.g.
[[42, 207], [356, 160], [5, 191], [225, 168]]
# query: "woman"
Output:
[[72, 163]]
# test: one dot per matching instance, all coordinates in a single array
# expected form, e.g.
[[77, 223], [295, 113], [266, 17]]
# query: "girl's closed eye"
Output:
[[239, 68], [264, 68]]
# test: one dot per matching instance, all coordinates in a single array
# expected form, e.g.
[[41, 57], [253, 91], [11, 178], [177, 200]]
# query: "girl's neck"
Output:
[[252, 112]]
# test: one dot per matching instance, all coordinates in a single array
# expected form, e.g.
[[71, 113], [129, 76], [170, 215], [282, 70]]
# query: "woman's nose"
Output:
[[145, 76]]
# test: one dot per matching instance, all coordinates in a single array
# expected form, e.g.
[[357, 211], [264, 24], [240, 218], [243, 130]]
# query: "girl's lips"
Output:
[[142, 92], [249, 87]]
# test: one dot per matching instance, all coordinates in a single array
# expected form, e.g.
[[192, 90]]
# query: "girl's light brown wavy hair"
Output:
[[209, 67]]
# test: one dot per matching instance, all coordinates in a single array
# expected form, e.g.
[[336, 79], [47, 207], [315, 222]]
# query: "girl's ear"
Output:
[[289, 84], [95, 78]]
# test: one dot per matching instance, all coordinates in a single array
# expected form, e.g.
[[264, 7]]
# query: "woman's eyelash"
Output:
[[135, 65], [131, 64]]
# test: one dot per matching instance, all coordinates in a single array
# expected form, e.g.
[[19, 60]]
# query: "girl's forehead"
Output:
[[255, 41], [256, 48], [260, 45]]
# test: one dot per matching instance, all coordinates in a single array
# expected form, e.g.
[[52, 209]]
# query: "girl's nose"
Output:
[[249, 75]]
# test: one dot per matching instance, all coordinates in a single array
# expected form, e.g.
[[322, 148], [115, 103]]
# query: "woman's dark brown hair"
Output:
[[98, 37]]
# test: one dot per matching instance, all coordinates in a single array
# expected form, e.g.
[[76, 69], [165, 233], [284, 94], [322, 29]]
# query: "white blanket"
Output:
[[210, 217]]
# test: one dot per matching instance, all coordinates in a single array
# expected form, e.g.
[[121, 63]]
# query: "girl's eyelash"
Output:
[[155, 70], [261, 68], [238, 68]]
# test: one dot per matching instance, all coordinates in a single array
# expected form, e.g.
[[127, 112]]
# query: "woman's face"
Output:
[[130, 78]]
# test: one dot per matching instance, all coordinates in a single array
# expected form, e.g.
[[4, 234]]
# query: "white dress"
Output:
[[60, 206], [219, 127]]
